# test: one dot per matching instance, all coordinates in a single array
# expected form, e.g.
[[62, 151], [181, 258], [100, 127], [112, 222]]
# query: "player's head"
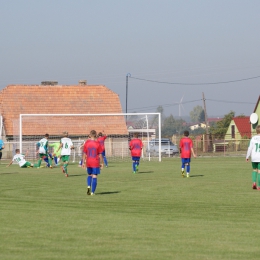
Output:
[[65, 134], [100, 134], [93, 134], [258, 129], [46, 136], [186, 133], [17, 150], [136, 135]]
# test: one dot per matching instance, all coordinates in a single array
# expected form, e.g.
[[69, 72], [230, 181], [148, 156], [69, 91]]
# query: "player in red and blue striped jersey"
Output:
[[91, 160], [186, 148], [101, 139], [136, 146]]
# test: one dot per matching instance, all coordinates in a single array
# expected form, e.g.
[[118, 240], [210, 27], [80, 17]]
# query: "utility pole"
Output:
[[206, 121], [126, 93]]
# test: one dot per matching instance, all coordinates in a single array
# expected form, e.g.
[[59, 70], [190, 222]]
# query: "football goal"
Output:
[[119, 129]]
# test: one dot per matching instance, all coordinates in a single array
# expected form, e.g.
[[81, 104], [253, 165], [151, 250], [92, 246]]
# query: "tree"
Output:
[[168, 128], [202, 116], [154, 122], [221, 127], [197, 114], [198, 131], [172, 126]]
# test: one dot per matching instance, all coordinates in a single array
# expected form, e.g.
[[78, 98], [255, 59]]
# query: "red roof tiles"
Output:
[[243, 126], [75, 99]]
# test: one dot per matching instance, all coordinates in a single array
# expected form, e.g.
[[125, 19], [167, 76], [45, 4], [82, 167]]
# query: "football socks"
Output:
[[94, 185], [254, 175]]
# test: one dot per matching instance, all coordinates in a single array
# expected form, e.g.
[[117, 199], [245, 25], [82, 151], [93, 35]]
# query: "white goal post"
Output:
[[119, 127]]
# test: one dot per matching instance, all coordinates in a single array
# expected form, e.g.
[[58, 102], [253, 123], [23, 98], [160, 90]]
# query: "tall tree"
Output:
[[221, 127], [197, 114], [154, 122], [168, 128], [201, 118]]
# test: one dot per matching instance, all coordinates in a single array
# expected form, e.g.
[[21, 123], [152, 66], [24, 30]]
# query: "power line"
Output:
[[225, 101], [193, 84], [166, 105], [186, 102]]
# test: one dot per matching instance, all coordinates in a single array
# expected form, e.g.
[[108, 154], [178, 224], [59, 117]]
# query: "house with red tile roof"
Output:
[[51, 98], [239, 128], [256, 111]]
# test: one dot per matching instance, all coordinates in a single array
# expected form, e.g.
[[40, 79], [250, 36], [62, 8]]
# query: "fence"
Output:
[[117, 148]]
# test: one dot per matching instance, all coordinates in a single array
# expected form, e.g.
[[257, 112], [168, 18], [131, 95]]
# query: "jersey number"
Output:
[[257, 147]]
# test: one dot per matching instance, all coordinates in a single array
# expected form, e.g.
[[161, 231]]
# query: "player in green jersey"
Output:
[[65, 145], [43, 151], [20, 159], [253, 151]]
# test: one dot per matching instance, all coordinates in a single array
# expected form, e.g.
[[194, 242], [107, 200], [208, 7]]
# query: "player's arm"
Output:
[[180, 146], [104, 134], [37, 147], [59, 147], [192, 150], [249, 150], [9, 164], [83, 159], [101, 160]]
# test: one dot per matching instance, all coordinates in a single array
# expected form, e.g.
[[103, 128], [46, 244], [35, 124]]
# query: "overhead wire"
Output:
[[194, 84]]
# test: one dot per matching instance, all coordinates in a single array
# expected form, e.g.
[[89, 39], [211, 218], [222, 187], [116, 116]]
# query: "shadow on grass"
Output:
[[146, 172], [199, 175], [77, 175], [9, 173], [107, 192]]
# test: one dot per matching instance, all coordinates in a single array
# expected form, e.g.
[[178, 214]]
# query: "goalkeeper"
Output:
[[56, 152]]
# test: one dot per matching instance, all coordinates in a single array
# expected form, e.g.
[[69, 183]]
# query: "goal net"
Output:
[[119, 129]]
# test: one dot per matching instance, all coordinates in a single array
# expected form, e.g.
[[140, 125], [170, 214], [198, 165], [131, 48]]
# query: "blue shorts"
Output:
[[185, 160], [91, 170], [135, 158], [103, 153]]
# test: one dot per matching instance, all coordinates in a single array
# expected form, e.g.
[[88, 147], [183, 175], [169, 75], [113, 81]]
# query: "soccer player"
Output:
[[101, 139], [253, 151], [56, 153], [43, 151], [91, 158], [20, 159], [2, 146], [65, 145], [136, 146], [186, 148]]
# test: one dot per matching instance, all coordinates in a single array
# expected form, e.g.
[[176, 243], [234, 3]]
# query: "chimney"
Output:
[[82, 82], [49, 83]]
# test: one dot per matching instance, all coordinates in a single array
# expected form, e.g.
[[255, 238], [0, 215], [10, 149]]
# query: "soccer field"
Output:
[[154, 214]]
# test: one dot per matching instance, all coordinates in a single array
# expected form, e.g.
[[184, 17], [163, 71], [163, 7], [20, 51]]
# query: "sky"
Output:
[[171, 51]]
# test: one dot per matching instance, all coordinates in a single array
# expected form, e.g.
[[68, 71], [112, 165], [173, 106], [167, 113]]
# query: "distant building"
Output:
[[51, 98]]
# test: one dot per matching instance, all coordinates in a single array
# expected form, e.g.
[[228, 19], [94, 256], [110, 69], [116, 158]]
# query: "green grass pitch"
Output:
[[154, 214]]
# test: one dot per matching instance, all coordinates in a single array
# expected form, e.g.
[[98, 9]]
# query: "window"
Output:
[[233, 131]]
